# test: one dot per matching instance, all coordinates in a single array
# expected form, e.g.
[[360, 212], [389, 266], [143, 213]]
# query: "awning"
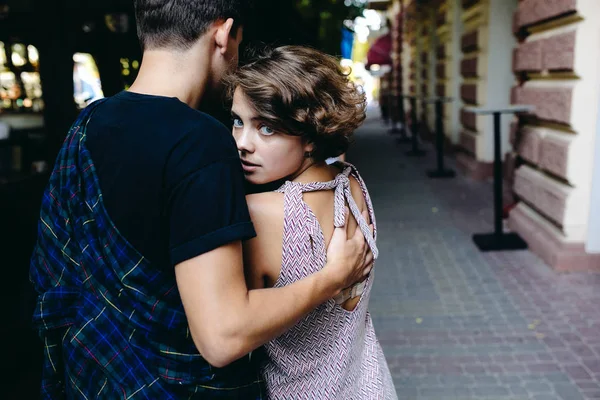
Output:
[[381, 51]]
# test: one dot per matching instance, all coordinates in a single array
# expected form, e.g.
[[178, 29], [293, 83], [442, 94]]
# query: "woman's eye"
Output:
[[237, 123], [265, 130]]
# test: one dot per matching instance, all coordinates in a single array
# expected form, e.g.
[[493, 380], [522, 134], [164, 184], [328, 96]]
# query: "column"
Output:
[[448, 33], [557, 66], [425, 30], [486, 73], [414, 50]]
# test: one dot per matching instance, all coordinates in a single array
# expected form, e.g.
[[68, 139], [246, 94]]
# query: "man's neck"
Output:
[[184, 75]]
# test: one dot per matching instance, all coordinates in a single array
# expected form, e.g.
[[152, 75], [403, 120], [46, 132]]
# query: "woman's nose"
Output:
[[244, 141]]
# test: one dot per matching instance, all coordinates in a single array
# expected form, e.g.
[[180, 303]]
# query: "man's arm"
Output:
[[208, 218], [227, 320]]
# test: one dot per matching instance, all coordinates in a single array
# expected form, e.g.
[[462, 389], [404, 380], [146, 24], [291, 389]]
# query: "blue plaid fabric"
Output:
[[112, 324]]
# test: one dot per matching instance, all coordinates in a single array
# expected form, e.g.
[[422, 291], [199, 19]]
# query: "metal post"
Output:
[[439, 134], [497, 176], [440, 172], [498, 240], [414, 127]]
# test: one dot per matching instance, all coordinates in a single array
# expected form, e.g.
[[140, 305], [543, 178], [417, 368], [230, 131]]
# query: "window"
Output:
[[86, 80], [20, 86]]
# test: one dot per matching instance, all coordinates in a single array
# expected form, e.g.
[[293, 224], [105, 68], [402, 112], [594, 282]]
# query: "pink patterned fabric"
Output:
[[331, 353]]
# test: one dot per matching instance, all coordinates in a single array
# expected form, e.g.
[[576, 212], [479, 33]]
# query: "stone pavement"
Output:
[[455, 323]]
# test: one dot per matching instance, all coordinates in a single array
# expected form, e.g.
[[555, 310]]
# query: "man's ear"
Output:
[[222, 35]]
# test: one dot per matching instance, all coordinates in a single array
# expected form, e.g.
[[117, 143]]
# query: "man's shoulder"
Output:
[[158, 125], [133, 109]]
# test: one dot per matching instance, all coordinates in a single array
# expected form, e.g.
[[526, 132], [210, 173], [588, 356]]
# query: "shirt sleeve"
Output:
[[207, 205]]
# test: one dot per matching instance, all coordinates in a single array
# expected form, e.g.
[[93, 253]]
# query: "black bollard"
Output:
[[440, 172], [414, 127], [498, 240]]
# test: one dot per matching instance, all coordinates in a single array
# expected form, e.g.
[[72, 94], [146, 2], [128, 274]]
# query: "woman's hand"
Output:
[[349, 260]]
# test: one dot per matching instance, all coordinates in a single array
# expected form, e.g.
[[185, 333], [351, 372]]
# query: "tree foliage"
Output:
[[329, 16]]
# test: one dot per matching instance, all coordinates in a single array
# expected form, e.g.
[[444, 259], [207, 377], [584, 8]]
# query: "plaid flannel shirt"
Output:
[[112, 324]]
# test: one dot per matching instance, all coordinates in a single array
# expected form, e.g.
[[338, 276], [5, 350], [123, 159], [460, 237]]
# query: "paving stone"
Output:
[[491, 391], [568, 392], [545, 396], [455, 323], [519, 391], [538, 387]]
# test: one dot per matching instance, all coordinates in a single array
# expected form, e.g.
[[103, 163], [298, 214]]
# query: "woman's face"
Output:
[[266, 155]]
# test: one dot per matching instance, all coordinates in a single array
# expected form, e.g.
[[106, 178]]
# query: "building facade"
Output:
[[493, 53]]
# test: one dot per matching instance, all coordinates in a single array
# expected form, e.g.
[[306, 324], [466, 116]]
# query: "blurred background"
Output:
[[453, 323]]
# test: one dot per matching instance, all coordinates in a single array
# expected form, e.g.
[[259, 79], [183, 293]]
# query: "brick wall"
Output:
[[556, 68]]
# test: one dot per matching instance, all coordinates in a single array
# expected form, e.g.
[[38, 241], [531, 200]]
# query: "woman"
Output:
[[293, 108]]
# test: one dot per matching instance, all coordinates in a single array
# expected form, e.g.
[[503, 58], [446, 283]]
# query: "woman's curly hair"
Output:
[[303, 92]]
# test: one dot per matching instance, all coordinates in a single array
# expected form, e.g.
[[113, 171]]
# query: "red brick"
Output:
[[441, 52], [468, 120], [528, 56], [468, 3], [559, 52], [529, 143], [440, 90], [468, 142], [560, 256], [515, 91], [536, 11], [514, 127], [441, 19], [468, 67], [468, 93], [470, 41], [552, 104], [510, 164], [515, 22], [554, 156], [441, 71]]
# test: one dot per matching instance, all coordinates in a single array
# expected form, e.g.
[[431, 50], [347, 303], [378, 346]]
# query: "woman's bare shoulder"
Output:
[[357, 194], [262, 254], [265, 207]]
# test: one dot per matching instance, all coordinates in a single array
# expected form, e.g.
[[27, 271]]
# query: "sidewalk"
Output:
[[455, 323]]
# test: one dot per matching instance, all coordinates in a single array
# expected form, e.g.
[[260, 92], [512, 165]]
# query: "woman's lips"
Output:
[[249, 167]]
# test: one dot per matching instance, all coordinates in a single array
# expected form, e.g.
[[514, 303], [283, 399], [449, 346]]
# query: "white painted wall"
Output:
[[499, 77], [455, 78], [433, 61], [592, 244], [593, 238]]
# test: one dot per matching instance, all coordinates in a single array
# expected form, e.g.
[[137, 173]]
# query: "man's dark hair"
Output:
[[179, 23]]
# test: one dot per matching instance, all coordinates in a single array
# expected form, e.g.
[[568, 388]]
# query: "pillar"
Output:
[[486, 46], [449, 30], [557, 69]]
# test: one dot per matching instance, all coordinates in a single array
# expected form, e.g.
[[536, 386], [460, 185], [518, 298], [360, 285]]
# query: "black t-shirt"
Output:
[[170, 177]]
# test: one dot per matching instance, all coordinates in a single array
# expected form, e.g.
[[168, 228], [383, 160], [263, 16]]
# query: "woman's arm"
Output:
[[263, 253]]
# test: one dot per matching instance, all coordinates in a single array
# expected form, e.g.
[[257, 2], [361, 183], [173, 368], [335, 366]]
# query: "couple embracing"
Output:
[[159, 278]]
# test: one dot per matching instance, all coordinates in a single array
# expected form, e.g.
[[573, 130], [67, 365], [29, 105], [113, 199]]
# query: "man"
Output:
[[138, 262]]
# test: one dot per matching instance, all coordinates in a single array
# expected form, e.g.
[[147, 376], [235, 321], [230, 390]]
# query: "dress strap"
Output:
[[343, 195]]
